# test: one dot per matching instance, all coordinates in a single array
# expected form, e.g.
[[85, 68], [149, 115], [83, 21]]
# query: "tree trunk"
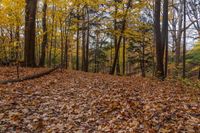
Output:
[[124, 56], [18, 40], [66, 50], [165, 34], [96, 54], [115, 39], [158, 41], [52, 35], [184, 41], [166, 56], [111, 54], [29, 50], [45, 36], [178, 38], [83, 42], [11, 49], [62, 45], [77, 43], [55, 45], [120, 39], [143, 58], [87, 43]]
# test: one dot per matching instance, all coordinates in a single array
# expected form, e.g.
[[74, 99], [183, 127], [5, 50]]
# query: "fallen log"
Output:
[[30, 77]]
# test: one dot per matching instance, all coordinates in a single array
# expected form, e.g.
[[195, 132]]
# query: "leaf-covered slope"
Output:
[[79, 102]]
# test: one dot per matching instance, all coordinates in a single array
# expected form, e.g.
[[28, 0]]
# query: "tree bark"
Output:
[[178, 37], [29, 50], [45, 35], [87, 43], [143, 57], [184, 41], [83, 42], [62, 44], [18, 40], [158, 41], [124, 56], [55, 44], [52, 35], [77, 43], [66, 50], [165, 34]]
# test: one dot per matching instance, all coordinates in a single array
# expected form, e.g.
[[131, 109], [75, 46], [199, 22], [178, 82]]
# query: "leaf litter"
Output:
[[78, 102]]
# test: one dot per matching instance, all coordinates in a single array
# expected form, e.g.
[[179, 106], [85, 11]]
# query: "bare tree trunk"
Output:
[[87, 43], [124, 56], [62, 45], [66, 49], [55, 45], [96, 69], [158, 41], [143, 59], [66, 52], [184, 41], [29, 50], [166, 56], [45, 36], [37, 47], [50, 50], [165, 34], [179, 36], [52, 35], [18, 39], [111, 53], [11, 42], [116, 39], [83, 42], [77, 43]]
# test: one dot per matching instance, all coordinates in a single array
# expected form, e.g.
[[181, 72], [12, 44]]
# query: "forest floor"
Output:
[[78, 102]]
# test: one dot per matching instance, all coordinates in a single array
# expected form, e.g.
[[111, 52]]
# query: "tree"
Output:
[[184, 41], [158, 41], [65, 32], [165, 33], [77, 39], [87, 41], [120, 37], [45, 35], [176, 31], [29, 49], [193, 13]]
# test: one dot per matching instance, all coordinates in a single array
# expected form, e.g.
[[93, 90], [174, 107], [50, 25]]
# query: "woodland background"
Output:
[[106, 66], [102, 36]]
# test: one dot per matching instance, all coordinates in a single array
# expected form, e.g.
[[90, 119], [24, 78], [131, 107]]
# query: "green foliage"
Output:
[[194, 55], [98, 58]]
